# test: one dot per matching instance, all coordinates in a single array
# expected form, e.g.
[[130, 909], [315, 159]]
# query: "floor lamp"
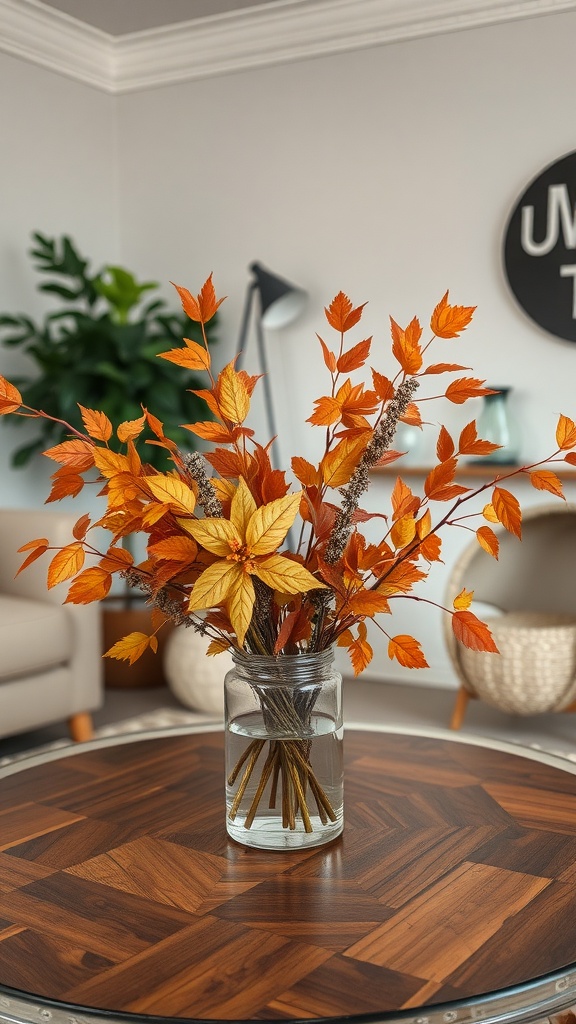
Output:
[[279, 303]]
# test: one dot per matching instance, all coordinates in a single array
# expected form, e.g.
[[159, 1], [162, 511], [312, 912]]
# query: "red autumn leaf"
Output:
[[459, 391], [444, 445], [407, 651], [227, 463], [488, 540], [546, 480], [473, 633], [447, 321], [340, 314], [355, 357], [507, 509], [570, 458], [405, 345], [329, 357], [81, 527], [388, 457], [471, 444], [566, 433]]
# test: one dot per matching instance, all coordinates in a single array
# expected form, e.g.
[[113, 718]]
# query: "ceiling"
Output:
[[119, 17]]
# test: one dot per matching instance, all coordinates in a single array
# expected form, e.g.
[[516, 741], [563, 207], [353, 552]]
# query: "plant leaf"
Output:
[[473, 633], [546, 480], [488, 540], [407, 651], [215, 585], [171, 491], [565, 433], [507, 509], [286, 576], [240, 605], [132, 647], [215, 535], [459, 391], [270, 523], [97, 424], [448, 321], [90, 585], [65, 564], [233, 397]]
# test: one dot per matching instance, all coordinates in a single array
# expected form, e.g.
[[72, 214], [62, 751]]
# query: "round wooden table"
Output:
[[450, 897]]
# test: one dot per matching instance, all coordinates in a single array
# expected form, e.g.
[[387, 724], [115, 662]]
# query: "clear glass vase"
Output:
[[284, 739], [495, 424]]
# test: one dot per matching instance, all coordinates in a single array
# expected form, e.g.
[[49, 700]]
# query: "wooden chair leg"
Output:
[[80, 726], [459, 710]]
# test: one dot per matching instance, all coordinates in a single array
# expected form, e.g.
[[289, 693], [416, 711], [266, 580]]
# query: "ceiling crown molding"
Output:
[[253, 37]]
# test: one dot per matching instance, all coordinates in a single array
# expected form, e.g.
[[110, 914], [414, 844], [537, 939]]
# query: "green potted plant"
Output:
[[100, 350]]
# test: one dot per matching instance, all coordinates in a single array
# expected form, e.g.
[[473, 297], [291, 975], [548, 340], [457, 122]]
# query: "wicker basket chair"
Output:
[[530, 594]]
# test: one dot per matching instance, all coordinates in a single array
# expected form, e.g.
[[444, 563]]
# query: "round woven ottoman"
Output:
[[536, 669], [195, 679]]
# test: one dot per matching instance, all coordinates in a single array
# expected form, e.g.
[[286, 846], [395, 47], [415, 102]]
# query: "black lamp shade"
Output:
[[280, 301]]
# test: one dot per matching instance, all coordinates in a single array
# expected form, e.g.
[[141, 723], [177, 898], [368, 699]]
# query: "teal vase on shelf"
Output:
[[495, 425]]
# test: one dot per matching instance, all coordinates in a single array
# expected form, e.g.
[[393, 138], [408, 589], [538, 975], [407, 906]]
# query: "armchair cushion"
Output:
[[34, 636]]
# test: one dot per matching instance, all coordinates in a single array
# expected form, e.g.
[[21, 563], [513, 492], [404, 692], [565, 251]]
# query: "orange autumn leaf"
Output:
[[110, 463], [66, 483], [116, 559], [566, 433], [193, 357], [341, 315], [215, 432], [97, 424], [412, 415], [445, 446], [355, 357], [448, 321], [359, 650], [546, 480], [438, 484], [403, 532], [10, 397], [471, 444], [329, 356], [403, 500], [400, 579], [132, 647], [305, 472], [202, 308], [328, 411], [489, 513], [430, 548], [407, 651], [383, 386], [368, 602], [488, 540], [473, 633], [90, 585], [36, 548], [76, 453], [171, 491], [175, 549], [338, 465], [81, 527], [507, 508], [405, 345], [65, 564], [130, 429], [444, 368], [459, 391]]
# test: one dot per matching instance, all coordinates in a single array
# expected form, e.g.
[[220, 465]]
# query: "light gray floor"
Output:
[[364, 701]]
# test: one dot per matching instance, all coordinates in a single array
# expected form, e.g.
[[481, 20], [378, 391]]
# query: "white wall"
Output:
[[58, 174], [388, 173]]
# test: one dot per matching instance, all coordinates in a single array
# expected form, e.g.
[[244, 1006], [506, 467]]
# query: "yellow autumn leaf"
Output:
[[489, 513], [65, 564], [90, 585], [97, 423], [217, 647], [240, 605], [216, 535], [424, 525], [285, 575], [463, 600], [270, 523], [170, 490], [110, 463], [338, 465], [132, 647], [403, 531], [233, 397], [215, 585], [130, 429], [242, 508]]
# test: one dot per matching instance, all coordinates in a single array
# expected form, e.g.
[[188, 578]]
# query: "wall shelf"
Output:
[[466, 472]]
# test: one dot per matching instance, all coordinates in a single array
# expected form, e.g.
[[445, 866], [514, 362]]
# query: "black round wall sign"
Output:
[[540, 249]]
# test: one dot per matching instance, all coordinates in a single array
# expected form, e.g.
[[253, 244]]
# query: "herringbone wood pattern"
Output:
[[120, 890]]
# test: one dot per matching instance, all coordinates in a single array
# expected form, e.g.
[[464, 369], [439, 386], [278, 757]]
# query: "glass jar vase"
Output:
[[284, 739]]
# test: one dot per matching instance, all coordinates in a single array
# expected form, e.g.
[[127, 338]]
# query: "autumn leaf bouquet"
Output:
[[216, 524]]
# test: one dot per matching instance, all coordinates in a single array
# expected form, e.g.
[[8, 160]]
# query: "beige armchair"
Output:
[[51, 654]]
